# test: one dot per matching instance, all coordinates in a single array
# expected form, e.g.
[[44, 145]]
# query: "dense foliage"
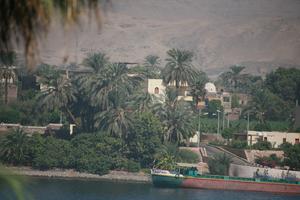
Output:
[[219, 164]]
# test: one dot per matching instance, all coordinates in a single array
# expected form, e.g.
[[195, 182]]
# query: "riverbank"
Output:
[[121, 176]]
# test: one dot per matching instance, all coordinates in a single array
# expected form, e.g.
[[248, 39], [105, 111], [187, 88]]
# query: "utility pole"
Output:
[[248, 122], [223, 120], [199, 127], [218, 121]]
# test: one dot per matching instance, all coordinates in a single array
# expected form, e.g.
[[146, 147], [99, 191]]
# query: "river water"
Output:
[[60, 189]]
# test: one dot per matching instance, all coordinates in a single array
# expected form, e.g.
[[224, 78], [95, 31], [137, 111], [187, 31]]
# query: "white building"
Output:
[[157, 88], [275, 138]]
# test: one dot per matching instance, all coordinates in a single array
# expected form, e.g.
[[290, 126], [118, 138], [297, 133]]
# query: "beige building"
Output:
[[274, 137], [158, 89]]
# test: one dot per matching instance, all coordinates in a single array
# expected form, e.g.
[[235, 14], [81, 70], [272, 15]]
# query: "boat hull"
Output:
[[219, 184]]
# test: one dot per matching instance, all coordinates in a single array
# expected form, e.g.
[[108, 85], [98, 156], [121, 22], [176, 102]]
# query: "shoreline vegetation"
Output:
[[113, 175]]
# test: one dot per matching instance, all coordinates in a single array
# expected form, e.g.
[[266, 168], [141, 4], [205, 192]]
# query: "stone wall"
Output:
[[251, 155]]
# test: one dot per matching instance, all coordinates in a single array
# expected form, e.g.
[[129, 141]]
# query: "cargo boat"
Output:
[[190, 178]]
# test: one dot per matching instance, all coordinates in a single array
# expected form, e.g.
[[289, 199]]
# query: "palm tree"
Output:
[[233, 78], [13, 146], [59, 96], [7, 61], [117, 121], [264, 104], [175, 117], [96, 61], [197, 88], [115, 79], [141, 101], [152, 61], [179, 68], [152, 66]]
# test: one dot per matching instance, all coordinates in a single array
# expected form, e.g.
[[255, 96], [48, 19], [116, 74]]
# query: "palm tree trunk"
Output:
[[71, 116]]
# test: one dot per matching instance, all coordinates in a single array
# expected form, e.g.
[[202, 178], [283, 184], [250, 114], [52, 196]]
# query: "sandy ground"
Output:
[[61, 173]]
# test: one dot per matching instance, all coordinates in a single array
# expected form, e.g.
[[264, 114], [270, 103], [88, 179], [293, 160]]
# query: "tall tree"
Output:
[[179, 68], [59, 96], [233, 78], [285, 83], [12, 148], [7, 73], [197, 87], [175, 116], [265, 105], [96, 61]]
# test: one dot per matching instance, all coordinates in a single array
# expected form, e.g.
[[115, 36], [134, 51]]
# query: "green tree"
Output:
[[96, 61], [7, 72], [219, 164], [213, 106], [285, 83], [265, 105], [198, 87], [144, 140], [152, 66], [179, 69], [292, 156], [59, 96], [13, 147], [233, 78], [47, 74], [176, 117], [227, 133]]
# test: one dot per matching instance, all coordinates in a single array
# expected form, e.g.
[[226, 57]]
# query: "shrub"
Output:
[[238, 144], [187, 156], [270, 161], [292, 157], [133, 166], [9, 115], [262, 145], [219, 164]]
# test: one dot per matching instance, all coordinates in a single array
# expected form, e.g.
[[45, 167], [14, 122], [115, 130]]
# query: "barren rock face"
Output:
[[260, 34]]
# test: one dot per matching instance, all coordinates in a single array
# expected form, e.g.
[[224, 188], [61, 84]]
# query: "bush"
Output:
[[53, 153], [262, 145], [219, 164], [93, 164], [133, 166], [270, 161], [9, 115], [292, 157], [187, 156], [238, 144]]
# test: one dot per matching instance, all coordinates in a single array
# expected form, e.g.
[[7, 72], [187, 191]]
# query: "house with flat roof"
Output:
[[276, 138]]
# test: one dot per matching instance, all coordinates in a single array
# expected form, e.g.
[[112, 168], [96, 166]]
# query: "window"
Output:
[[284, 140], [297, 141], [156, 90], [265, 139]]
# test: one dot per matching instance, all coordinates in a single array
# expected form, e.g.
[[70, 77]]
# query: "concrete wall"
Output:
[[4, 128], [275, 137], [249, 171], [251, 155]]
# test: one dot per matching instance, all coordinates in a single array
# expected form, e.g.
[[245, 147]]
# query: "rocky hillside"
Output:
[[261, 34]]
